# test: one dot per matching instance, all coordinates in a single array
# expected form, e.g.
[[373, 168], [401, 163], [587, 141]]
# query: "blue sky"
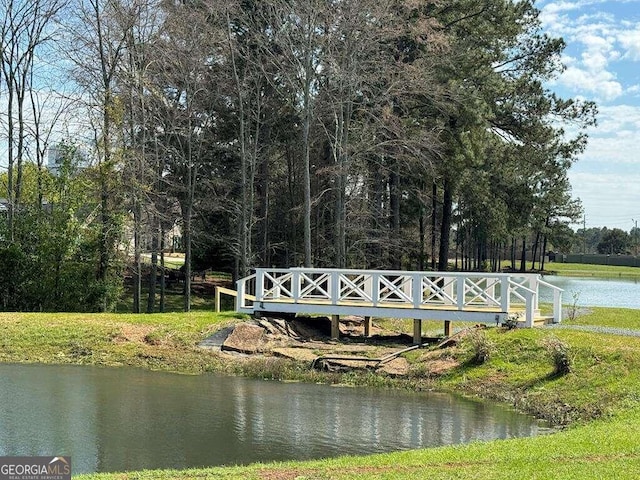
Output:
[[603, 64]]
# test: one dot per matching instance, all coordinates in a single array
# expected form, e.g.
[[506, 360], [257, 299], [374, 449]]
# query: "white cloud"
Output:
[[599, 82], [613, 144], [602, 48], [618, 118], [633, 90], [601, 42], [630, 41], [601, 207]]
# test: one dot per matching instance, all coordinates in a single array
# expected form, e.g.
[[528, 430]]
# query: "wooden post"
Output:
[[217, 300], [447, 328], [335, 327], [417, 331], [367, 326]]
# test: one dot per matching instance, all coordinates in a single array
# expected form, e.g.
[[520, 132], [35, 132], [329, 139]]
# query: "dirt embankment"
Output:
[[308, 340]]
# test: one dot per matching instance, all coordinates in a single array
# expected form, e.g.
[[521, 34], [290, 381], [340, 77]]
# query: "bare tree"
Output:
[[99, 45], [246, 78], [300, 29], [24, 29], [140, 22], [185, 59]]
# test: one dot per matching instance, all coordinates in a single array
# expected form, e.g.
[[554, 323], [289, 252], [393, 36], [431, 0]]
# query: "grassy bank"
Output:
[[587, 270], [599, 399]]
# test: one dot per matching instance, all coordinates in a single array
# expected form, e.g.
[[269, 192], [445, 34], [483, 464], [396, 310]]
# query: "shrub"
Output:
[[560, 355], [572, 309], [511, 322], [481, 347]]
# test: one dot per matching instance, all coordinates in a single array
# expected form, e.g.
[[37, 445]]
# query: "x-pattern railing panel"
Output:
[[477, 294], [435, 291], [315, 287], [355, 287], [394, 288], [277, 286]]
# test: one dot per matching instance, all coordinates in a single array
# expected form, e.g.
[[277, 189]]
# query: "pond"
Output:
[[116, 419], [594, 291]]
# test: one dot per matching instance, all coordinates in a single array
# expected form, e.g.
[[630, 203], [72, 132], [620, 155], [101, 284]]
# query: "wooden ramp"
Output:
[[447, 296]]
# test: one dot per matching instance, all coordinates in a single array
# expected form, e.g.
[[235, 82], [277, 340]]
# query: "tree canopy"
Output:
[[346, 133]]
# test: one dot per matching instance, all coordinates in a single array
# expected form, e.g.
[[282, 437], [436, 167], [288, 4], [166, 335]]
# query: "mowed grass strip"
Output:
[[589, 270], [598, 402], [607, 317], [158, 341]]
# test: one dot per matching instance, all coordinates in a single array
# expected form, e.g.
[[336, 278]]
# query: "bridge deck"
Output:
[[471, 297]]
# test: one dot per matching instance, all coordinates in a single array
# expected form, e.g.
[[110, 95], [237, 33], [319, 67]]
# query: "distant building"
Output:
[[56, 156], [54, 162]]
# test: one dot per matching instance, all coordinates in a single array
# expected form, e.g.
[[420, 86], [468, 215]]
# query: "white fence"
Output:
[[437, 295]]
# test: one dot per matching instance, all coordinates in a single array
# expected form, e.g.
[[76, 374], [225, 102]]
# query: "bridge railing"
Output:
[[388, 288]]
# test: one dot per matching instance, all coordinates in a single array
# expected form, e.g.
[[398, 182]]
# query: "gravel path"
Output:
[[594, 328]]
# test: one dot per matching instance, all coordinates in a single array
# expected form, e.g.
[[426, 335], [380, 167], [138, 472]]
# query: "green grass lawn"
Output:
[[587, 270], [173, 301], [598, 402], [583, 269]]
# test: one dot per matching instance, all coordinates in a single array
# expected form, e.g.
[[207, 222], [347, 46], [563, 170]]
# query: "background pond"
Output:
[[594, 291], [125, 419]]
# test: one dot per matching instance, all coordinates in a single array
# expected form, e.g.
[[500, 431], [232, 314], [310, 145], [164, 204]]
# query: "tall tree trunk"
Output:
[[434, 222], [292, 244], [394, 218], [103, 266], [246, 208], [340, 189], [20, 150], [523, 259], [534, 255], [306, 176], [153, 277], [137, 254], [421, 228], [186, 236], [445, 225], [187, 217], [163, 271], [10, 162], [544, 251], [264, 201]]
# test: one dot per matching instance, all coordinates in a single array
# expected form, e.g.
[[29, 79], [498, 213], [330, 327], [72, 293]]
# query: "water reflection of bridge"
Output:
[[447, 296]]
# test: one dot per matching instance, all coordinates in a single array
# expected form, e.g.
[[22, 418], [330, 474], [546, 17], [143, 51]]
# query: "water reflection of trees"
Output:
[[124, 419]]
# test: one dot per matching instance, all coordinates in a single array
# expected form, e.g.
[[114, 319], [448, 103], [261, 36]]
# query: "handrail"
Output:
[[227, 291], [530, 302], [551, 286], [557, 300], [428, 273], [377, 287], [242, 294], [519, 285], [329, 290]]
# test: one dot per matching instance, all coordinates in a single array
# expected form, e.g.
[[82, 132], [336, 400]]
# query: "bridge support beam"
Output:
[[417, 331], [447, 328], [335, 327], [367, 326]]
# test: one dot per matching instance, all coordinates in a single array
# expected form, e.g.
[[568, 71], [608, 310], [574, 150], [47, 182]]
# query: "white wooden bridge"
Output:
[[447, 296]]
